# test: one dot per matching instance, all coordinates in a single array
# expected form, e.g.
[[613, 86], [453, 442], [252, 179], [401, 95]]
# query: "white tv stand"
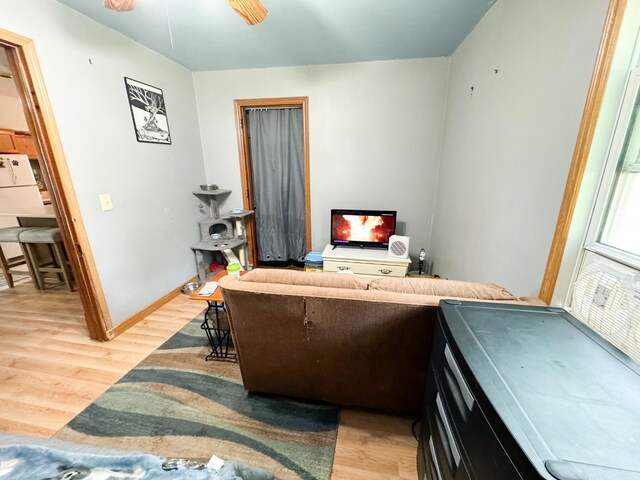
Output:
[[364, 262]]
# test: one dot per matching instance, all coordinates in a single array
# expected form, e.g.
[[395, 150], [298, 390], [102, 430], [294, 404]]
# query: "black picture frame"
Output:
[[148, 112]]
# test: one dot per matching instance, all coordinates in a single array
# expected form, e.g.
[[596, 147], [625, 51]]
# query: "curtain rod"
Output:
[[260, 109]]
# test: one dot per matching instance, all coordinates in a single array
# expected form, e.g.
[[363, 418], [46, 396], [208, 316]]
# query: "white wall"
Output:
[[11, 112], [508, 144], [142, 247], [375, 134]]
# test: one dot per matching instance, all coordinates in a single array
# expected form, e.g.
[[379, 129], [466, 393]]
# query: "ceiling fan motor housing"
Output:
[[120, 5]]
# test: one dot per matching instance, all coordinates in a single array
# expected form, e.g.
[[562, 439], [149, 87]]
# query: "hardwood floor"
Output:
[[50, 370], [374, 446]]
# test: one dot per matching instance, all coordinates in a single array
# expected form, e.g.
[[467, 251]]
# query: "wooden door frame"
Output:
[[241, 107], [25, 67]]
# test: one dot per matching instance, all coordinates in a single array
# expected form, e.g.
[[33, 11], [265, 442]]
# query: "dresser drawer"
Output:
[[451, 382], [378, 270], [481, 448], [441, 442]]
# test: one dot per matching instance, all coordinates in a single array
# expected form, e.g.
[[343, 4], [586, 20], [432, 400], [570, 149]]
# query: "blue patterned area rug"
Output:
[[174, 404]]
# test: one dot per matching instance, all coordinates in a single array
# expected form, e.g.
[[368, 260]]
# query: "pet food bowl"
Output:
[[190, 287]]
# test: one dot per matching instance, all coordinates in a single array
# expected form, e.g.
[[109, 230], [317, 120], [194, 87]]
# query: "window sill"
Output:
[[625, 258]]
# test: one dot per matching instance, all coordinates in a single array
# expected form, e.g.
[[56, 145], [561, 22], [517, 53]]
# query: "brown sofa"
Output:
[[339, 338]]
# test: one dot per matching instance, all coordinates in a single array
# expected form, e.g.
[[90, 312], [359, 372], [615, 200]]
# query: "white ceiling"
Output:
[[209, 35]]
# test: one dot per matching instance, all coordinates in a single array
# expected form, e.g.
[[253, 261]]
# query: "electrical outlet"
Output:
[[105, 202]]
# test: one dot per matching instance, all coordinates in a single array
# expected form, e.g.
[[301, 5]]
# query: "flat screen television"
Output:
[[362, 228]]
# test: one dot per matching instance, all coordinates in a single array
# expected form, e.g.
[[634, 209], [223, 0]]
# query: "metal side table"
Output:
[[216, 324]]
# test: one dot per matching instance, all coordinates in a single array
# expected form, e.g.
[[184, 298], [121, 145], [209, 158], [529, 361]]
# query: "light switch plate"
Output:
[[105, 202]]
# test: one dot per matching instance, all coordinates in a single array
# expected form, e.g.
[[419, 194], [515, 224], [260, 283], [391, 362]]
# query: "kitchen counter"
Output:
[[44, 211]]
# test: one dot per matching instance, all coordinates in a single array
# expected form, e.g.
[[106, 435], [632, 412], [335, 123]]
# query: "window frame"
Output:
[[609, 179]]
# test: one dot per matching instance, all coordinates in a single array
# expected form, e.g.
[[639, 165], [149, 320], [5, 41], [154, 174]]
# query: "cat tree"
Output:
[[222, 236]]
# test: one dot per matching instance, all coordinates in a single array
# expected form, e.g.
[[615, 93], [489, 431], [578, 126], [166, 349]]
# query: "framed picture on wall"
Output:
[[148, 112]]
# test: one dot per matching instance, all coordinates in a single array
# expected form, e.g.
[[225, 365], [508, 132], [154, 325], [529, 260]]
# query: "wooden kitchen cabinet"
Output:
[[25, 144], [8, 141], [17, 142]]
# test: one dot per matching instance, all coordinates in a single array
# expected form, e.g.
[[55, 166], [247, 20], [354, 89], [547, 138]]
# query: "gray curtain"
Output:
[[276, 142]]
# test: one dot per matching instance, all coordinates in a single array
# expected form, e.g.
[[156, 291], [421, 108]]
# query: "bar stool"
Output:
[[12, 235], [53, 239]]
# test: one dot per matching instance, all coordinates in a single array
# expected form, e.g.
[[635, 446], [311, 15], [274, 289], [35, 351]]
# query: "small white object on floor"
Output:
[[208, 289], [6, 466], [215, 463]]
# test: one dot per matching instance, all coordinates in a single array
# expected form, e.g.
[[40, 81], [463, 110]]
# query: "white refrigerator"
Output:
[[18, 192]]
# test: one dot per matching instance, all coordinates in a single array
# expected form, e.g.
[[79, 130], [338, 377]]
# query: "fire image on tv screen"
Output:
[[362, 228]]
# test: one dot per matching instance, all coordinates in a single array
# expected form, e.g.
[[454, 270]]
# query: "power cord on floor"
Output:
[[413, 428]]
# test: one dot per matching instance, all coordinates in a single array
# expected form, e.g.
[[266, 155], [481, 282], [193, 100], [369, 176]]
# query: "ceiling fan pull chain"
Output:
[[166, 6]]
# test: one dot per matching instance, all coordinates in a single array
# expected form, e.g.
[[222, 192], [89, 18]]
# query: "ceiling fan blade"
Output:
[[120, 5], [252, 11]]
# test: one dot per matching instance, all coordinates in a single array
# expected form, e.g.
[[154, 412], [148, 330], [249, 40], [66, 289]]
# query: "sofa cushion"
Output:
[[231, 285], [309, 279], [442, 288]]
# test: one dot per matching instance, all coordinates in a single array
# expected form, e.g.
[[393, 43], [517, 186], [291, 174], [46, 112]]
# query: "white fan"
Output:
[[607, 300], [399, 246]]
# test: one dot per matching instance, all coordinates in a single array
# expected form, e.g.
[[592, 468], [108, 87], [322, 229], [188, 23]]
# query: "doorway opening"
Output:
[[273, 146], [49, 164]]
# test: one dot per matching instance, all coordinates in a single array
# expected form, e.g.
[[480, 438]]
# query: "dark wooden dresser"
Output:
[[519, 392]]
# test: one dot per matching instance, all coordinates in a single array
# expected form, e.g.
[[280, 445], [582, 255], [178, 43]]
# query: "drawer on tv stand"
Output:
[[372, 269]]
